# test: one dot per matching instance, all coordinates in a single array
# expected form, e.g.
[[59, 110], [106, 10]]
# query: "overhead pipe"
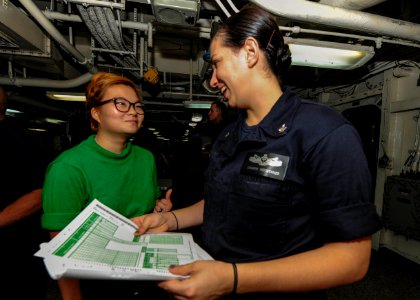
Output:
[[47, 83], [312, 12], [53, 15], [58, 37], [352, 4], [18, 98]]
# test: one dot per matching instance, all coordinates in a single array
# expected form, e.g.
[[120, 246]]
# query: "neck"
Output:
[[112, 143], [263, 102]]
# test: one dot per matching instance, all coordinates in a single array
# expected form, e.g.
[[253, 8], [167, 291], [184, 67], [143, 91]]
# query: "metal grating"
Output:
[[6, 42]]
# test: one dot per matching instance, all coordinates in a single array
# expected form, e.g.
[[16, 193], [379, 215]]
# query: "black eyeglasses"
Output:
[[123, 105]]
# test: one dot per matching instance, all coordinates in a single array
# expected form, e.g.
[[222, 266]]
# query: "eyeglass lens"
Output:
[[123, 105]]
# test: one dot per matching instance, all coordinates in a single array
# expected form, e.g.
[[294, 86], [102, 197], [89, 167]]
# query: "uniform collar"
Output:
[[277, 123]]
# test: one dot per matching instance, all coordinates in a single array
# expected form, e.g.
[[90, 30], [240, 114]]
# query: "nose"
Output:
[[213, 79]]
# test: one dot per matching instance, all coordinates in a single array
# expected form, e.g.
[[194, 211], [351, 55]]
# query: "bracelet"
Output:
[[235, 278], [176, 220]]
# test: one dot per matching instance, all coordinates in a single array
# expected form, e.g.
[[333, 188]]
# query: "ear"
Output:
[[95, 114], [252, 51]]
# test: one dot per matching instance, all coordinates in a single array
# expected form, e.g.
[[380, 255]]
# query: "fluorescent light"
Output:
[[12, 112], [197, 104], [67, 96], [54, 121], [320, 54], [37, 129]]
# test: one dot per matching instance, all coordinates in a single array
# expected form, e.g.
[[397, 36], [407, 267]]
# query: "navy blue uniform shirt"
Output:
[[287, 185]]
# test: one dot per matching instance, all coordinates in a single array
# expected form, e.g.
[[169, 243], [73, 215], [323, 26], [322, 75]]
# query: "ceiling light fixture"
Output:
[[54, 121], [331, 55], [37, 129], [12, 112], [66, 96], [197, 104]]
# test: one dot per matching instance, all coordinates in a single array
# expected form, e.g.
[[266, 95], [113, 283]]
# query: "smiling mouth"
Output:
[[223, 90]]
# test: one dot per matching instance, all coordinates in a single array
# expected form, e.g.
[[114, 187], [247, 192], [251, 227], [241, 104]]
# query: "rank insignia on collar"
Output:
[[282, 129]]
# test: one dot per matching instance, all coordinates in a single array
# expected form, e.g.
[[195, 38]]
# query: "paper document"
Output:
[[100, 244]]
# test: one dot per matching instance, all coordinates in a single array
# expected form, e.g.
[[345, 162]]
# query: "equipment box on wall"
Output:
[[401, 208]]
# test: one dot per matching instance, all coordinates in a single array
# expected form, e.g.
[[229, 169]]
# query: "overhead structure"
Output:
[[163, 45]]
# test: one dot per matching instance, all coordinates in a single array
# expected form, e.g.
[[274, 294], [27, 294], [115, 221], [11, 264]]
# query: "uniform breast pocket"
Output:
[[258, 210]]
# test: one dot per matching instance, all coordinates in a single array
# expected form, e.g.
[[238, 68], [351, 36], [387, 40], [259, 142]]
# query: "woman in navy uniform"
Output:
[[287, 211]]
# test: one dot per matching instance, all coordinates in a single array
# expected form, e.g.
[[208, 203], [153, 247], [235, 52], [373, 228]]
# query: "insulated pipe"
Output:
[[52, 15], [47, 83], [351, 4], [312, 12], [203, 32], [39, 104], [58, 37]]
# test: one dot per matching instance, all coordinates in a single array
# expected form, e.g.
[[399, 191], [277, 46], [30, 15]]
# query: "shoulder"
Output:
[[73, 155], [318, 112], [141, 150], [142, 153], [317, 119], [313, 122]]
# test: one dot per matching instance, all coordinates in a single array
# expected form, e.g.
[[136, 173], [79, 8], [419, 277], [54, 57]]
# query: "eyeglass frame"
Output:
[[114, 100]]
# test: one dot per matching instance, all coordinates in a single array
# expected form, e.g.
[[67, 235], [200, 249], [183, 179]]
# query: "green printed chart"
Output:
[[100, 243]]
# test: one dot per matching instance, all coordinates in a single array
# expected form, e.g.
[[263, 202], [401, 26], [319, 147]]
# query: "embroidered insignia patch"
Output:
[[266, 164]]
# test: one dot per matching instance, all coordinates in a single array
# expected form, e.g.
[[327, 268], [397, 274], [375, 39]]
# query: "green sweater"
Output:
[[125, 182]]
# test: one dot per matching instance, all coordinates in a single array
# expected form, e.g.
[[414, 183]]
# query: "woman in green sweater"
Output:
[[105, 166]]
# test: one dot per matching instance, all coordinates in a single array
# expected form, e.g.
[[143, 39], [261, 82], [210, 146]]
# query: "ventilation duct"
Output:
[[312, 12], [21, 38], [180, 12]]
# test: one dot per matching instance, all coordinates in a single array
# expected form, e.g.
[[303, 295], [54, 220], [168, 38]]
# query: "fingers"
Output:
[[137, 220], [183, 270], [151, 223], [168, 194], [163, 205], [160, 206], [178, 286], [204, 280], [166, 204]]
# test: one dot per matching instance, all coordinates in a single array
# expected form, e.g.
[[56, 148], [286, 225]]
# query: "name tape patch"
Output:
[[266, 164]]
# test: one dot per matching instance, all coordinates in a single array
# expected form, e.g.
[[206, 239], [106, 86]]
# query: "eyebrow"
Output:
[[212, 56]]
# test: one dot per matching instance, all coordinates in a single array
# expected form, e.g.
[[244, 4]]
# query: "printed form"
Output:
[[100, 244]]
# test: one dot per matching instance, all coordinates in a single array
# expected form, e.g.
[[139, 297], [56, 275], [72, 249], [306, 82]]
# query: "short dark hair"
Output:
[[253, 21], [222, 107]]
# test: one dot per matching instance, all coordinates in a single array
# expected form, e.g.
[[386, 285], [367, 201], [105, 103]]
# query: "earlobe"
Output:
[[94, 114], [252, 51]]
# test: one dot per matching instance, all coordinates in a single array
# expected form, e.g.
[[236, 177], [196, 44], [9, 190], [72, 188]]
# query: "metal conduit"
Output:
[[107, 34], [52, 15], [62, 41], [312, 12], [351, 4], [47, 83]]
